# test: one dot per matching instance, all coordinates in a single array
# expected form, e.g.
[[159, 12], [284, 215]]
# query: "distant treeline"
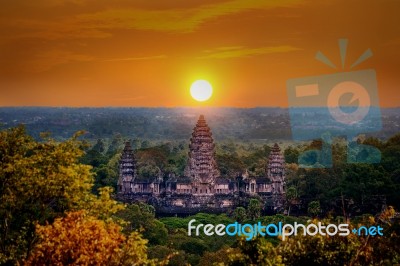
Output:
[[165, 123]]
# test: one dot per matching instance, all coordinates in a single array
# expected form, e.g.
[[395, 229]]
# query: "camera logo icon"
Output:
[[358, 92], [343, 104]]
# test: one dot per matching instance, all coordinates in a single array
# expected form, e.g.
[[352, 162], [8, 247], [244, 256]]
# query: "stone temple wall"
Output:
[[201, 188]]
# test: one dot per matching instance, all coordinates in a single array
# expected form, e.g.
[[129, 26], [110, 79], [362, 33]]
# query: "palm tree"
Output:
[[291, 196]]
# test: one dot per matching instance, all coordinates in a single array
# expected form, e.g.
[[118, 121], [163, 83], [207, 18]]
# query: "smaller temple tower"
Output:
[[127, 170], [276, 173]]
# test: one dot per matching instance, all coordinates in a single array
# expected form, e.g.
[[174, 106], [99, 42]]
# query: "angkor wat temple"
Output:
[[201, 188]]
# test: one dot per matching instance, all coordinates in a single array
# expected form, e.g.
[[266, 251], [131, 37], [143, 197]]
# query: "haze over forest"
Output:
[[167, 123]]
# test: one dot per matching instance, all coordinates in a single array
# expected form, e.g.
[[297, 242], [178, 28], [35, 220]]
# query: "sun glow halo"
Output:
[[201, 90]]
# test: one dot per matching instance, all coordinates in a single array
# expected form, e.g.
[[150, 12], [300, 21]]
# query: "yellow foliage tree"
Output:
[[81, 239], [257, 251], [40, 181]]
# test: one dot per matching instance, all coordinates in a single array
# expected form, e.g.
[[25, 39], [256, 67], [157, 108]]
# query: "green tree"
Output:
[[239, 214], [314, 208], [145, 144], [99, 146], [254, 209], [40, 181], [291, 155], [291, 196], [115, 145], [230, 165], [141, 217]]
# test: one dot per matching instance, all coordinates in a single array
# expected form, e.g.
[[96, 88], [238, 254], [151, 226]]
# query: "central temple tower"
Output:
[[201, 165]]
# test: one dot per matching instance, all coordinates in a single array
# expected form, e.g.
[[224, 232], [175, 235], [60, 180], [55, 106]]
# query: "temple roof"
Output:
[[258, 179], [276, 148], [223, 181]]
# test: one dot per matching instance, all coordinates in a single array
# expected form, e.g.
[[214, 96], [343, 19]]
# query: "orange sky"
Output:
[[147, 53]]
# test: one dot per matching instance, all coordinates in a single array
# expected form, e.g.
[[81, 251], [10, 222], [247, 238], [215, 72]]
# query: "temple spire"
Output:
[[127, 169], [276, 163], [276, 173], [201, 165]]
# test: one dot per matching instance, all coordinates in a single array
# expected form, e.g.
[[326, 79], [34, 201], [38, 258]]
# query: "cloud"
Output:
[[136, 58], [100, 22], [47, 60], [238, 51], [175, 20]]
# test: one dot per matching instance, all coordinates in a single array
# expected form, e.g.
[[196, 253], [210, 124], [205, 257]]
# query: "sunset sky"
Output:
[[147, 53]]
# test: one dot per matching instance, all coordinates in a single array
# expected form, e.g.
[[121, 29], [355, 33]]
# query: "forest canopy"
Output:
[[57, 205]]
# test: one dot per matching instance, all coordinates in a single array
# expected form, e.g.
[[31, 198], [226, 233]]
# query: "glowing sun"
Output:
[[201, 90]]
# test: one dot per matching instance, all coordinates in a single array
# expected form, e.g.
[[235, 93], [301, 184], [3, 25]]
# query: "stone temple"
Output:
[[201, 189]]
